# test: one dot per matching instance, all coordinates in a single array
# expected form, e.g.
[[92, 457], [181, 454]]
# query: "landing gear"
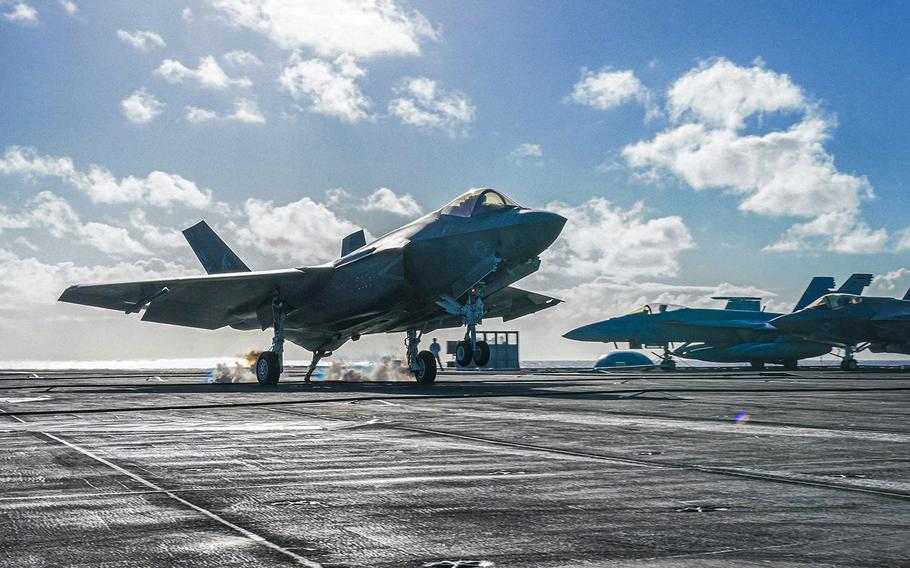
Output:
[[268, 368], [463, 353], [481, 354], [667, 363], [423, 363], [270, 364], [471, 312], [791, 365], [317, 355], [757, 365], [849, 363]]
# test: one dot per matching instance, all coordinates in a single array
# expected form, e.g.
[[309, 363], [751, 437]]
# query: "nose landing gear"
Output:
[[472, 312]]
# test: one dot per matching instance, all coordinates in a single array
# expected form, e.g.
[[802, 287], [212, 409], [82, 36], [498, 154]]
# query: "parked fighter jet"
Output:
[[854, 323], [740, 332], [450, 268]]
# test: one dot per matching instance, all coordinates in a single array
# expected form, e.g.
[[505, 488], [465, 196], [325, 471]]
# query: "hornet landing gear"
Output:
[[270, 364], [423, 363], [667, 362]]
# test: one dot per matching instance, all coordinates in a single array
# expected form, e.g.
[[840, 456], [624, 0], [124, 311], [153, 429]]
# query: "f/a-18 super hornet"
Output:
[[853, 323], [739, 333], [450, 268]]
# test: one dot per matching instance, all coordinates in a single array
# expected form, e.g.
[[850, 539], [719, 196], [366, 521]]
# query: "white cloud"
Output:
[[837, 232], [246, 110], [141, 107], [22, 13], [607, 89], [304, 231], [70, 7], [333, 27], [141, 40], [784, 172], [154, 235], [329, 88], [523, 151], [209, 74], [601, 238], [29, 281], [720, 93], [196, 114], [425, 105], [59, 219], [101, 186], [239, 57], [187, 14], [384, 199]]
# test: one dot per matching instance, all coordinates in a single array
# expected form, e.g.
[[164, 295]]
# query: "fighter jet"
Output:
[[450, 268], [740, 332], [853, 323]]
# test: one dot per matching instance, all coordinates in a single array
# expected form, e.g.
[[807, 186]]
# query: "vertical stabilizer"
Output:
[[353, 242], [818, 287], [855, 284], [907, 295], [211, 251]]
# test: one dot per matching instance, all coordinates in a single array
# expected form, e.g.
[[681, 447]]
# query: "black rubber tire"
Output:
[[463, 353], [268, 368], [757, 365], [791, 365], [426, 368], [850, 365], [481, 354], [668, 365]]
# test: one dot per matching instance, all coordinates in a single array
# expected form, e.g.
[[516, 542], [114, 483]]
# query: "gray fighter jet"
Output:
[[450, 268], [740, 332], [853, 323]]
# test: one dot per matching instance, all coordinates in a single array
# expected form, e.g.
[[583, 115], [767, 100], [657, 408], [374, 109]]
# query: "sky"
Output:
[[697, 149]]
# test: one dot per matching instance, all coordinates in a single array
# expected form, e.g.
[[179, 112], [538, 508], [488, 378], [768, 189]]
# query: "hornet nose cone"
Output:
[[590, 332]]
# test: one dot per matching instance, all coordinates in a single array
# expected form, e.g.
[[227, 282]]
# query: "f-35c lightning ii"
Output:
[[450, 268]]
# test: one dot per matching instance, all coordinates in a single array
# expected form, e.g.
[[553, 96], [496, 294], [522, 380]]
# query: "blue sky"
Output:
[[696, 147]]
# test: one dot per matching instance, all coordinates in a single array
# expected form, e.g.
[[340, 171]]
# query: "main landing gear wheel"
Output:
[[849, 365], [758, 365], [791, 365], [425, 371], [481, 354], [463, 353], [668, 365], [268, 368]]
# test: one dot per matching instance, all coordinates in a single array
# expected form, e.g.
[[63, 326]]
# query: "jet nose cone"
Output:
[[543, 227], [588, 332]]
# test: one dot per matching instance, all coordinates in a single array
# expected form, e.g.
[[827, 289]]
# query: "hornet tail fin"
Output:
[[855, 284], [818, 287], [907, 295], [214, 255]]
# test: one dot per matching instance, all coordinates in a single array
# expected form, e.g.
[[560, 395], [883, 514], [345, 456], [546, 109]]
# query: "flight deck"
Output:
[[528, 469]]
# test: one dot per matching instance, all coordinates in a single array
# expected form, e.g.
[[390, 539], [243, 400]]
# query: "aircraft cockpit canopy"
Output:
[[651, 309], [478, 202], [834, 302]]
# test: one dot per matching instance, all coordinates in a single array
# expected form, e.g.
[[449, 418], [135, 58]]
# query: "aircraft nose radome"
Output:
[[584, 333], [544, 227]]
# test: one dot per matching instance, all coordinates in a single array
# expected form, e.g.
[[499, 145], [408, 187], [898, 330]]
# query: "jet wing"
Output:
[[207, 302]]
